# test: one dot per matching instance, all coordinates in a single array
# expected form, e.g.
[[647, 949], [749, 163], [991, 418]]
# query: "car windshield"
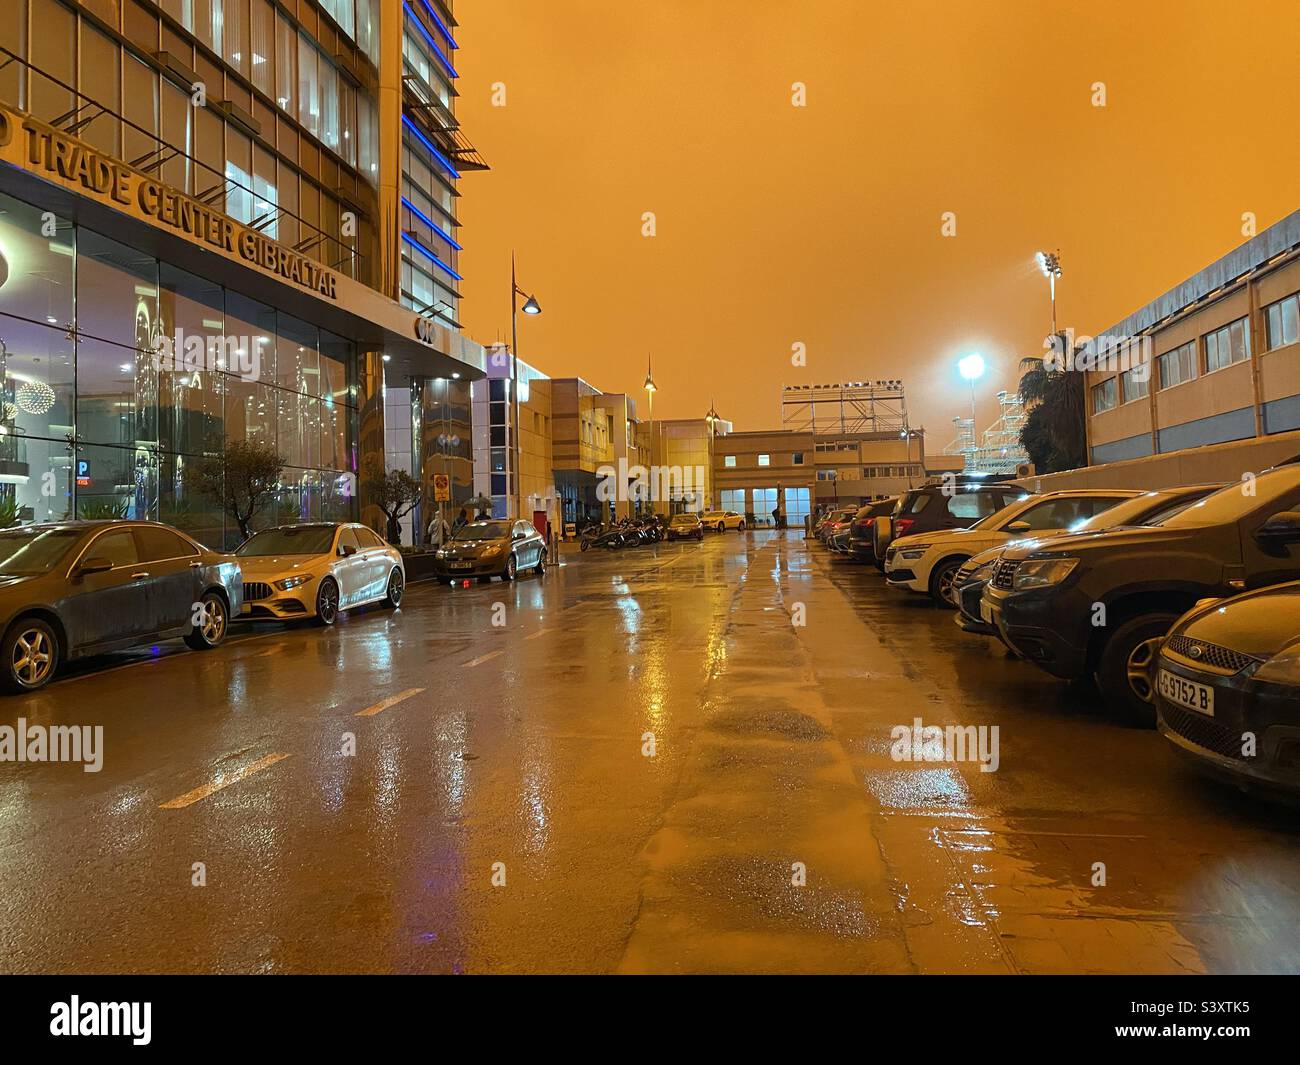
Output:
[[291, 540], [26, 552], [684, 519], [483, 530], [1232, 503]]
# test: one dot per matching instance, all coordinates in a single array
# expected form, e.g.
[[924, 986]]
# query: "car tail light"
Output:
[[902, 525]]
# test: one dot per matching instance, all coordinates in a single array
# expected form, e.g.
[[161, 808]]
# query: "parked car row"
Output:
[[1181, 605], [78, 588]]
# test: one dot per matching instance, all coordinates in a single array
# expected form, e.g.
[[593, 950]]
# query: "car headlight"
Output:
[[440, 553], [1283, 667], [1043, 573], [914, 552], [492, 549], [289, 583]]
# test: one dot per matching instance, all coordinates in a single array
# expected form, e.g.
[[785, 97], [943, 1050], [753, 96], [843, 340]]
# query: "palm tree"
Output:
[[1055, 400]]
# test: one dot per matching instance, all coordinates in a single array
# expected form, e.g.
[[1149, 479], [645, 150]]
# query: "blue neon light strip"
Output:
[[429, 40], [431, 224], [433, 258], [442, 159], [442, 26]]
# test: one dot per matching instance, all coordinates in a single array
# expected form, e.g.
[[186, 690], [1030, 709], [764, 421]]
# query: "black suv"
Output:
[[941, 505], [1098, 604]]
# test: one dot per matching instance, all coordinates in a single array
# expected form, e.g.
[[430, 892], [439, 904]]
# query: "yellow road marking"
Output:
[[371, 711], [191, 797], [534, 635], [483, 658]]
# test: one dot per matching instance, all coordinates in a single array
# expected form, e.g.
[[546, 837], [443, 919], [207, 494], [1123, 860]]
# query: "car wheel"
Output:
[[31, 655], [583, 545], [941, 578], [1124, 668], [721, 527], [211, 630], [740, 527], [396, 589], [512, 566], [327, 602], [540, 568]]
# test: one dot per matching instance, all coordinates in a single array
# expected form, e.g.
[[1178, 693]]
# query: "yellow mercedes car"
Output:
[[317, 570]]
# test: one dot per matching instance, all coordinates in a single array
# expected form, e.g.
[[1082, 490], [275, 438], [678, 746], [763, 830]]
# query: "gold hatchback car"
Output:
[[316, 570]]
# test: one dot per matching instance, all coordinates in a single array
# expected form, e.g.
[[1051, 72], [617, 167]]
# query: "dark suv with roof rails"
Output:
[[1098, 604], [950, 503]]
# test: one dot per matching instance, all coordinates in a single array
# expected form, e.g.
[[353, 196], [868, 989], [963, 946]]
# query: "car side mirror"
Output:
[[347, 550], [1282, 528], [520, 535], [1018, 527], [95, 564]]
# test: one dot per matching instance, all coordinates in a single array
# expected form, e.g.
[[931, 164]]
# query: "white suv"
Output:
[[927, 562]]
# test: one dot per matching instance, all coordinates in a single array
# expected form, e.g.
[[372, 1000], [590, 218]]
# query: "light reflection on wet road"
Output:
[[515, 754]]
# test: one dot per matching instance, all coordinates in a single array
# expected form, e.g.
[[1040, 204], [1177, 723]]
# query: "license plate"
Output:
[[986, 613], [1188, 693], [459, 565]]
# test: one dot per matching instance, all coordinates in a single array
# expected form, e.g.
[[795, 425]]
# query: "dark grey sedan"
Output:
[[76, 588]]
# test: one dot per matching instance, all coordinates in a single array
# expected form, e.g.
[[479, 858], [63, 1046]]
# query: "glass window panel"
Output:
[[262, 45], [233, 15], [336, 362], [140, 107], [117, 291], [334, 436], [176, 117], [101, 59], [239, 175], [329, 103], [117, 394], [250, 410], [116, 482], [309, 104], [186, 509], [265, 200], [251, 326], [52, 51], [39, 282], [286, 65], [35, 378], [27, 467], [190, 411], [297, 365]]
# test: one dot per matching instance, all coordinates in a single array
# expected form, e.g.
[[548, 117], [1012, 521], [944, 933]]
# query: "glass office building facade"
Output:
[[94, 424]]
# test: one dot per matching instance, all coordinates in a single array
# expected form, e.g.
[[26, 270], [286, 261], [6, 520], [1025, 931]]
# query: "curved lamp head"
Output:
[[531, 306], [649, 385]]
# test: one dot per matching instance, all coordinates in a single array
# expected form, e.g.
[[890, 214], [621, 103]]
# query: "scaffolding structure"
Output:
[[999, 451], [848, 407]]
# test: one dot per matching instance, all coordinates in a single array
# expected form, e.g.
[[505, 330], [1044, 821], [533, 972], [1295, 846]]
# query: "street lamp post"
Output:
[[650, 388], [972, 368], [1050, 263], [712, 418], [531, 306]]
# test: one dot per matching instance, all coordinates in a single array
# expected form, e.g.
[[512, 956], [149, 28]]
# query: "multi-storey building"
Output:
[[227, 175], [1224, 357]]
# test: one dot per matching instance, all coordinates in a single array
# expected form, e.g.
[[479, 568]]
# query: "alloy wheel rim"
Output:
[[1138, 668], [329, 602], [945, 585], [510, 566], [33, 657], [395, 587], [214, 621]]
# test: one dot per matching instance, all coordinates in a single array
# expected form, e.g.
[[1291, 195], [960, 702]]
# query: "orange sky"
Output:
[[821, 224]]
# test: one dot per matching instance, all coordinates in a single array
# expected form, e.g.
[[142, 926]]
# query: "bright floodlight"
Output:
[[531, 306], [1049, 263], [972, 366]]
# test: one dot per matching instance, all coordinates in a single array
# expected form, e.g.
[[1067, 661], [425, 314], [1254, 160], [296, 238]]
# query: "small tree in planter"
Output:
[[395, 492], [242, 481]]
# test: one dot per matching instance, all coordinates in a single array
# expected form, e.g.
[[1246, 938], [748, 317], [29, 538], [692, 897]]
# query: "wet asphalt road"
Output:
[[514, 754]]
